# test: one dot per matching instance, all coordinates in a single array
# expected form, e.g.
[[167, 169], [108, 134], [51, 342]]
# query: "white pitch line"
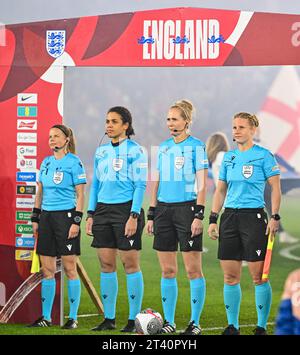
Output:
[[241, 326], [214, 328], [286, 252]]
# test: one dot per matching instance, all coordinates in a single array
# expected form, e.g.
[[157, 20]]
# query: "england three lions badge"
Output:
[[55, 42]]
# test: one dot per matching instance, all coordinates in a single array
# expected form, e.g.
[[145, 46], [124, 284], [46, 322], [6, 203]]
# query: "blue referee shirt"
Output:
[[120, 175], [59, 178], [177, 165], [245, 174]]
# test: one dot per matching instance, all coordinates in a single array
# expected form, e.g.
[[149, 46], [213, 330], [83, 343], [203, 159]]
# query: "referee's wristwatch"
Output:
[[276, 216], [134, 215]]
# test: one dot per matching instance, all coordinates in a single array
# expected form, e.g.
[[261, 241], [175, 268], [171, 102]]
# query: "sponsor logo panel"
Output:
[[27, 98], [27, 242], [23, 255], [27, 125], [23, 216], [26, 189], [24, 202], [23, 163], [23, 137], [23, 176], [27, 111], [24, 229]]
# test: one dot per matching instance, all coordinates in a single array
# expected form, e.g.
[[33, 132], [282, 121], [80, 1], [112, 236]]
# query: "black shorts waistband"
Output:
[[128, 203], [59, 211], [244, 210], [176, 204]]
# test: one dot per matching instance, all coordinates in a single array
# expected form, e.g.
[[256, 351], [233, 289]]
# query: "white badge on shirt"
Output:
[[179, 162], [117, 164], [247, 171], [58, 177]]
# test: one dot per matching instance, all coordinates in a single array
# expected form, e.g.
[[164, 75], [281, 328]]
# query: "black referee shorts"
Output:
[[53, 233], [172, 225], [109, 223], [242, 234]]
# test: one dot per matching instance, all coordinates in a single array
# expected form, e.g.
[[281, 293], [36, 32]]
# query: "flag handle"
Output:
[[268, 258]]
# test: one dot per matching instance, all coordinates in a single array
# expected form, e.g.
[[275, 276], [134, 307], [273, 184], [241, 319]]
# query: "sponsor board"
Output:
[[27, 98], [26, 189], [23, 163], [24, 202], [24, 229], [22, 176], [27, 242], [27, 111], [27, 125], [23, 137], [23, 216], [23, 255], [26, 150]]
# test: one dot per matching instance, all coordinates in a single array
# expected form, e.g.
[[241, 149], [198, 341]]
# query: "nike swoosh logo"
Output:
[[25, 98]]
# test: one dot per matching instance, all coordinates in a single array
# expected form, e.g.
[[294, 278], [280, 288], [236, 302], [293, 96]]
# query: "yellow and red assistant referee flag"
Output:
[[268, 258]]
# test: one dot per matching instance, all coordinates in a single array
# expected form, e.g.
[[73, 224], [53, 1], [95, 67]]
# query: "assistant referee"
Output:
[[244, 225]]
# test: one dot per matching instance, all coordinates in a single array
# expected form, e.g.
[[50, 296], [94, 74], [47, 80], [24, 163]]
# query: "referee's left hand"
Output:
[[272, 227], [131, 227], [73, 231], [196, 227]]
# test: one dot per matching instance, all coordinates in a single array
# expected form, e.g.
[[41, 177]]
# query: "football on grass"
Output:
[[148, 322]]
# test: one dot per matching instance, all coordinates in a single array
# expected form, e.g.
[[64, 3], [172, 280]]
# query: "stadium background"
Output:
[[217, 93]]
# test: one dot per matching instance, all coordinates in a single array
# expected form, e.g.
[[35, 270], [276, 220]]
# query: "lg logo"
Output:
[[296, 36], [2, 294]]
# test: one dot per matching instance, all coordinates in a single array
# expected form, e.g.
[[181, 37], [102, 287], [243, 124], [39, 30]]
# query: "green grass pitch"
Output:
[[213, 315]]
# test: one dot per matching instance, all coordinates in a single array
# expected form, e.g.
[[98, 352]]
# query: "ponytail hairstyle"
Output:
[[252, 119], [186, 109], [216, 143], [70, 147], [126, 118]]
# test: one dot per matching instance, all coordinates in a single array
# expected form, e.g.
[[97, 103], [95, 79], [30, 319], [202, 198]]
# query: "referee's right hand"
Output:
[[88, 226], [35, 228], [149, 227], [213, 231]]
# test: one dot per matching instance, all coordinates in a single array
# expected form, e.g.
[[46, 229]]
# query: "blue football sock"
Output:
[[197, 291], [263, 300], [109, 292], [232, 301], [48, 294], [74, 292], [135, 292], [169, 293]]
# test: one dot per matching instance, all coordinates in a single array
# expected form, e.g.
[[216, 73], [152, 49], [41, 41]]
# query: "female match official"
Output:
[[56, 221], [115, 217], [244, 227], [176, 213]]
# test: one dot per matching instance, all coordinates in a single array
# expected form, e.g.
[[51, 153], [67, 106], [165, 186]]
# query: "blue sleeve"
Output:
[[223, 170], [284, 320], [93, 199], [139, 174], [200, 158], [78, 173], [270, 166]]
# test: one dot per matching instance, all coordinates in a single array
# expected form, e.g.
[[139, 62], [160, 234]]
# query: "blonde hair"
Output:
[[252, 119], [216, 143], [186, 109], [69, 134]]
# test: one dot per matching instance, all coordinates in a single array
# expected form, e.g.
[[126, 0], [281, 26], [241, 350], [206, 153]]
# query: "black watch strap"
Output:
[[276, 216], [134, 215]]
